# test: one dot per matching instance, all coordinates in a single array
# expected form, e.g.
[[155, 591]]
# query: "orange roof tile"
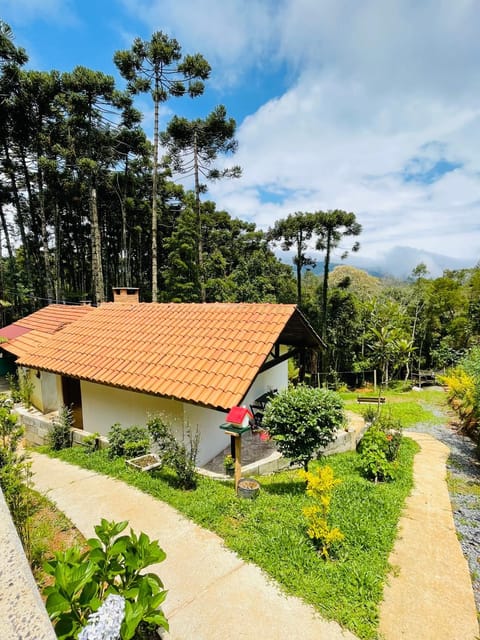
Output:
[[201, 353], [38, 326]]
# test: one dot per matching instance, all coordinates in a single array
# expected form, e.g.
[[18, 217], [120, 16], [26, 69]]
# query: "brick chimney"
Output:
[[128, 295]]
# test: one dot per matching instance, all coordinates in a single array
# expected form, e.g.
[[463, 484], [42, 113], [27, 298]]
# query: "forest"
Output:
[[88, 202]]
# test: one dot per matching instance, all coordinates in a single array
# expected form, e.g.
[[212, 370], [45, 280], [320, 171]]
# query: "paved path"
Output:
[[430, 596], [213, 594]]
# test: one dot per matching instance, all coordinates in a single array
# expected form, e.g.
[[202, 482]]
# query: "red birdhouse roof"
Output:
[[236, 415]]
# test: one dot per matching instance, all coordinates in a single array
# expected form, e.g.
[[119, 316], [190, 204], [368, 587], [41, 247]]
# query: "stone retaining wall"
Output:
[[22, 613], [35, 423]]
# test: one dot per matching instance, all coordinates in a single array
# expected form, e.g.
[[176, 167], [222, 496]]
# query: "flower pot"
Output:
[[229, 471], [248, 488]]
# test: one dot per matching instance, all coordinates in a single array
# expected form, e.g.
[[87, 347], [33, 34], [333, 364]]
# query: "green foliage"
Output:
[[463, 392], [14, 386], [127, 442], [25, 388], [179, 456], [14, 470], [320, 486], [370, 413], [379, 449], [113, 564], [229, 462], [59, 434], [90, 442], [270, 531], [302, 420]]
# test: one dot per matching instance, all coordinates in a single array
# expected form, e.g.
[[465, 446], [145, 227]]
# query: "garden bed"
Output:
[[147, 462]]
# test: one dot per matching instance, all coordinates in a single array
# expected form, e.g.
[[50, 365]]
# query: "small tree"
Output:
[[60, 433], [302, 420]]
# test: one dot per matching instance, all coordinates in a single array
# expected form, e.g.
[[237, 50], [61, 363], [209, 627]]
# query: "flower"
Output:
[[105, 623]]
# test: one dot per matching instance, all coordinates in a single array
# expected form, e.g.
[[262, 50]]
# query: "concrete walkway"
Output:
[[430, 595], [213, 594]]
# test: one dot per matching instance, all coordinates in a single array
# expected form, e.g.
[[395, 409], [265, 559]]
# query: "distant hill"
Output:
[[398, 263]]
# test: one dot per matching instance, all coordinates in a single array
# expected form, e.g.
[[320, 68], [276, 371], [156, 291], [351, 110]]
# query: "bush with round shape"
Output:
[[302, 420]]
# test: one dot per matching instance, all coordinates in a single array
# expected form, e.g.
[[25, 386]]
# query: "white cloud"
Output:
[[25, 11], [374, 88]]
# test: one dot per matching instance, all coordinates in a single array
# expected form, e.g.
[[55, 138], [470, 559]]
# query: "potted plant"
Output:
[[248, 488], [229, 465]]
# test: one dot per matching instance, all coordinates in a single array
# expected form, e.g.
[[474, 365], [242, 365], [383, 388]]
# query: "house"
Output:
[[125, 360]]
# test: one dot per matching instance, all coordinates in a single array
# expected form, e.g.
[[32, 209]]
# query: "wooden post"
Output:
[[238, 460]]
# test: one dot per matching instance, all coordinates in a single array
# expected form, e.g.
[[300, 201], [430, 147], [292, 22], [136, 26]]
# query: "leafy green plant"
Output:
[[14, 385], [90, 442], [179, 456], [113, 564], [127, 442], [14, 469], [370, 413], [60, 432], [229, 463], [25, 387], [302, 420], [320, 486], [463, 393], [378, 450]]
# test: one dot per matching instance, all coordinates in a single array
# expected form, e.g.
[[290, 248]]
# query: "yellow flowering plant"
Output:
[[320, 486]]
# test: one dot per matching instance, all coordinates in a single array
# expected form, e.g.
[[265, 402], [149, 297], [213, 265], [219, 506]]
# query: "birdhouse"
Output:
[[239, 417]]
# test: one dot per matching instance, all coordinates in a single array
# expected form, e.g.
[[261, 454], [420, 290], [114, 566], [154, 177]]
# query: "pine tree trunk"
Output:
[[6, 234], [97, 271], [20, 221], [198, 213], [154, 201], [58, 244], [43, 223]]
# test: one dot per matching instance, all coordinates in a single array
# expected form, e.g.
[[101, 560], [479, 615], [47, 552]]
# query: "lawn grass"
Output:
[[410, 407], [271, 531], [49, 531]]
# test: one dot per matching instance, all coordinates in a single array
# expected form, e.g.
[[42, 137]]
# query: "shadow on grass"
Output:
[[284, 487]]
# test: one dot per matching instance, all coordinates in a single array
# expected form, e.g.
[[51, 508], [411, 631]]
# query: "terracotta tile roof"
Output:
[[207, 354], [30, 332]]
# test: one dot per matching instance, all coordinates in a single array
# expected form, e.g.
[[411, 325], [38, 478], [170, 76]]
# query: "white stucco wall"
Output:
[[104, 406], [51, 391], [212, 438], [274, 378], [36, 397]]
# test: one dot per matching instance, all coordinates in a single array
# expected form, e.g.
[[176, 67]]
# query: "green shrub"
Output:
[[90, 442], [111, 565], [302, 420], [14, 470], [26, 388], [60, 435], [14, 385], [127, 442], [379, 449], [183, 460], [179, 456], [370, 413]]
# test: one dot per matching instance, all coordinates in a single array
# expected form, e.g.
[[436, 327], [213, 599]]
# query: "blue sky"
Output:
[[372, 106]]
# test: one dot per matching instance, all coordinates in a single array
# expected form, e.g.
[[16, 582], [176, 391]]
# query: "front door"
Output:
[[72, 398]]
